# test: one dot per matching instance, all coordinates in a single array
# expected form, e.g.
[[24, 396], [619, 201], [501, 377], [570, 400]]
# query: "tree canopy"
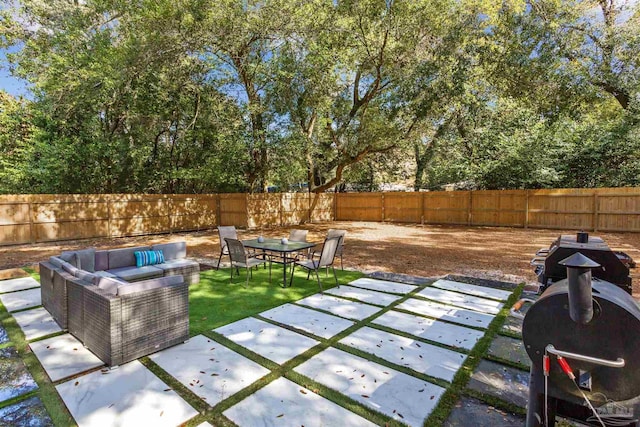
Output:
[[191, 96]]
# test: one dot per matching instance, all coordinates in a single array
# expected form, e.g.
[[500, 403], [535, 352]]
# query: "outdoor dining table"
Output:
[[284, 250]]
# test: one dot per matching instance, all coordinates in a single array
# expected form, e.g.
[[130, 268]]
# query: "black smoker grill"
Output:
[[614, 266], [588, 329]]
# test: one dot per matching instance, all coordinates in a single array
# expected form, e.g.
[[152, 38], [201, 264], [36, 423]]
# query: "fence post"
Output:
[[596, 210], [280, 208], [382, 198], [32, 236], [109, 201], [421, 199], [470, 209], [526, 208], [335, 206]]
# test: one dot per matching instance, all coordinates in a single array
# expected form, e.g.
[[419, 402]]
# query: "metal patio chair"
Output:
[[240, 258], [225, 231], [327, 255]]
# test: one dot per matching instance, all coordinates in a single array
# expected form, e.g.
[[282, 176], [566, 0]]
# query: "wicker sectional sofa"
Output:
[[117, 310]]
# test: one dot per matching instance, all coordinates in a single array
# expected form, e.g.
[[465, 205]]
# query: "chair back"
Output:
[[226, 231], [298, 235], [333, 233], [237, 252], [329, 249]]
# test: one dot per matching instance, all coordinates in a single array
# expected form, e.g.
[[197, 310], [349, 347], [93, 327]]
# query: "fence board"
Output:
[[402, 207], [446, 207], [359, 207]]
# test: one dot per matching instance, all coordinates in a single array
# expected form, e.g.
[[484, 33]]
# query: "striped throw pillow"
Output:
[[148, 258]]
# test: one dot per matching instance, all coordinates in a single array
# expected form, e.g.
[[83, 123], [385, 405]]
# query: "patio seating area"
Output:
[[375, 350]]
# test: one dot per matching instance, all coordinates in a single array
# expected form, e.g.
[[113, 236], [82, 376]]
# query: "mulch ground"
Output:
[[484, 252]]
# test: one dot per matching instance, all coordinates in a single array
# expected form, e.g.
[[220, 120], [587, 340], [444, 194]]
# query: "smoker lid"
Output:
[[578, 260]]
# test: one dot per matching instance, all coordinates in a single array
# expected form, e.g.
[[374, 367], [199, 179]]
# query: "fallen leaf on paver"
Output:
[[350, 378], [418, 345], [110, 405], [365, 396], [401, 348], [400, 415], [167, 389], [77, 382], [302, 391], [280, 416], [48, 346], [215, 375], [385, 372], [421, 390], [202, 372], [362, 376], [75, 349], [191, 384], [394, 411], [432, 397], [161, 413], [337, 372]]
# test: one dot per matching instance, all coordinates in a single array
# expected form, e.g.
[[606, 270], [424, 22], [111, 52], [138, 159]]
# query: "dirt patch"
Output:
[[483, 252]]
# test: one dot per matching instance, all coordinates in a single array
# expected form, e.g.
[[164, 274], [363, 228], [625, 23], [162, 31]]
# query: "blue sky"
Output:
[[13, 85]]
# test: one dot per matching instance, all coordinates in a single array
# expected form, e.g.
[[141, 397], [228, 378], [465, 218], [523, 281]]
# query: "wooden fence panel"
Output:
[[498, 208], [322, 207], [446, 207], [562, 209], [233, 210], [193, 212], [359, 207], [294, 208], [403, 207], [263, 210], [618, 209]]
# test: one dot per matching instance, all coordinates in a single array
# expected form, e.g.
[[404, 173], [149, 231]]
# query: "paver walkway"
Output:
[[383, 346]]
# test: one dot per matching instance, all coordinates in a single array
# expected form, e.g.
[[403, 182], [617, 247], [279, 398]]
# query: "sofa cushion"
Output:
[[148, 258], [102, 261], [132, 274], [54, 260], [146, 285], [86, 259], [85, 275], [175, 250], [70, 257], [69, 268], [108, 284], [124, 257], [104, 274], [177, 263]]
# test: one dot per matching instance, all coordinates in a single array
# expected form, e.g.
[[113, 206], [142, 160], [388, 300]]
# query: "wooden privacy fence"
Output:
[[42, 218], [604, 209]]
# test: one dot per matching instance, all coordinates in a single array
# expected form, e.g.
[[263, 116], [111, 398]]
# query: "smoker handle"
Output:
[[542, 252], [618, 363], [537, 261], [515, 310]]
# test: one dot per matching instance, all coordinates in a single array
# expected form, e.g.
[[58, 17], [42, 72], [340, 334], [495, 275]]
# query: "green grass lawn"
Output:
[[216, 301]]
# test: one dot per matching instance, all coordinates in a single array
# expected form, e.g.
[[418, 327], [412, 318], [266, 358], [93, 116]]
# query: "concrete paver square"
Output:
[[472, 412], [308, 320], [461, 300], [63, 356], [447, 312], [284, 402], [26, 413], [511, 349], [208, 369], [36, 323], [398, 395], [19, 284], [504, 382], [15, 379], [128, 396], [340, 306], [430, 329], [479, 291], [270, 341], [421, 357], [383, 285], [364, 295], [20, 300]]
